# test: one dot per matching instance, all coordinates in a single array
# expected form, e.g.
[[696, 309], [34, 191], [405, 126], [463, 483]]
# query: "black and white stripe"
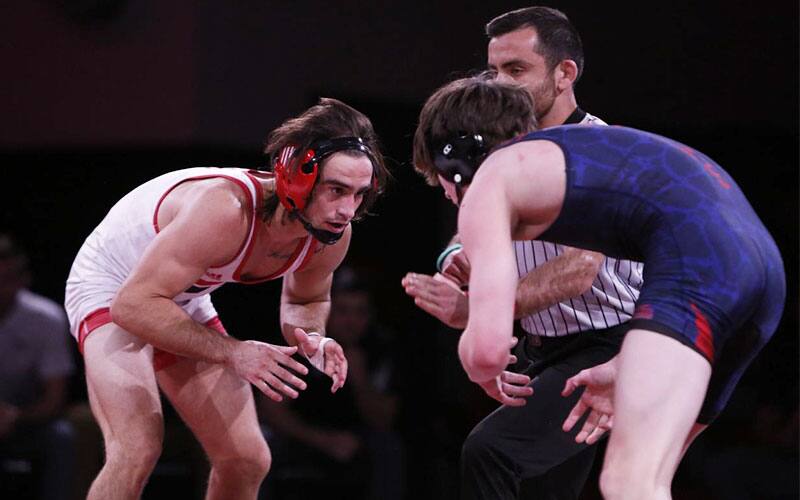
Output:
[[608, 303]]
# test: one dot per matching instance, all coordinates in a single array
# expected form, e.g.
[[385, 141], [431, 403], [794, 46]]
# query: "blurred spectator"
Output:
[[35, 366], [342, 445]]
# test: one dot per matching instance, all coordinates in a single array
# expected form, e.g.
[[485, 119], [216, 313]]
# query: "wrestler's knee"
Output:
[[618, 482], [137, 452], [249, 463], [611, 483]]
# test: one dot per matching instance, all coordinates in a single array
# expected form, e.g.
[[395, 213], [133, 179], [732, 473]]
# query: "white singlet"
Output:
[[115, 246]]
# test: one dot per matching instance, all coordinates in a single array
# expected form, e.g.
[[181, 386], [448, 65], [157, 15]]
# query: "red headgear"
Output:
[[294, 185]]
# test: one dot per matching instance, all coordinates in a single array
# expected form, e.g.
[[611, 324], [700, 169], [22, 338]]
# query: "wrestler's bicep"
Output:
[[206, 232]]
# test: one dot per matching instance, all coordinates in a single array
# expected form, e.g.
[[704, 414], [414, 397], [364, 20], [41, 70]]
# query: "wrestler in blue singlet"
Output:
[[713, 276]]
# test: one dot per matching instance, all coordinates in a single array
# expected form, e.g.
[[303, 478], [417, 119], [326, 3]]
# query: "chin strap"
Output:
[[323, 236]]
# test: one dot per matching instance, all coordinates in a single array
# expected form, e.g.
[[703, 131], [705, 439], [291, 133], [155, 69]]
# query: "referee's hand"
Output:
[[439, 297], [456, 267]]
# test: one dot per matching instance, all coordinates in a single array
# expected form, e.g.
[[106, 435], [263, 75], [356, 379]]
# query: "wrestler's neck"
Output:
[[280, 228], [563, 106]]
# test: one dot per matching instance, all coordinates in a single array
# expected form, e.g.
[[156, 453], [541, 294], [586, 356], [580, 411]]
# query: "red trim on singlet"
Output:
[[91, 322], [202, 282], [704, 341], [237, 275], [212, 176], [309, 254], [643, 311], [164, 359], [161, 359], [216, 324], [259, 196], [251, 244], [716, 175], [257, 184]]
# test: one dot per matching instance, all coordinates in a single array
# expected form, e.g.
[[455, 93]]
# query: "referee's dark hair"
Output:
[[478, 105], [558, 38]]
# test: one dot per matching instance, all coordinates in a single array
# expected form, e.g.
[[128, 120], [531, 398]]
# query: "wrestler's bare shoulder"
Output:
[[218, 197]]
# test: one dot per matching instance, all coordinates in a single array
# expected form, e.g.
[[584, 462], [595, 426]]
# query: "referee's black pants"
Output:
[[513, 444]]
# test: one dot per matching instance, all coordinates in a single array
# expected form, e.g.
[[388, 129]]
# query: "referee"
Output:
[[571, 302]]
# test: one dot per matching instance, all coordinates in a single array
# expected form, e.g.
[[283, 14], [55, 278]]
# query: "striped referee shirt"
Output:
[[608, 303]]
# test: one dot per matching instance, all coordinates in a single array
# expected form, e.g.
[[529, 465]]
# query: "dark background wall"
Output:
[[116, 72], [97, 96]]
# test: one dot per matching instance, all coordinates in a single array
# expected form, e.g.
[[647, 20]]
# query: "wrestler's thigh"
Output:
[[661, 384], [122, 387], [216, 404]]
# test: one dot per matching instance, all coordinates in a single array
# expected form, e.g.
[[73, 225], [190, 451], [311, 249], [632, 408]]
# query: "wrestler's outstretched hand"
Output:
[[509, 388], [597, 399], [324, 354], [267, 367]]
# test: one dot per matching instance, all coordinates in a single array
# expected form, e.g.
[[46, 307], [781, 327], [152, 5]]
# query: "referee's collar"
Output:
[[577, 116]]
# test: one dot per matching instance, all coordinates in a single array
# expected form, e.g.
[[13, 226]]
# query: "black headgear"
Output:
[[458, 158]]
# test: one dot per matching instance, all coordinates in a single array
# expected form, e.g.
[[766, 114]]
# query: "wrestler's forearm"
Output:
[[310, 316], [160, 322], [483, 347], [562, 278]]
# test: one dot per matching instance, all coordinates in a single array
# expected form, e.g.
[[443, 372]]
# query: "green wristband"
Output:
[[445, 253]]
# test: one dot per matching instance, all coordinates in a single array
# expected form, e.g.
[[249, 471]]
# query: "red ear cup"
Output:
[[295, 175], [294, 178]]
